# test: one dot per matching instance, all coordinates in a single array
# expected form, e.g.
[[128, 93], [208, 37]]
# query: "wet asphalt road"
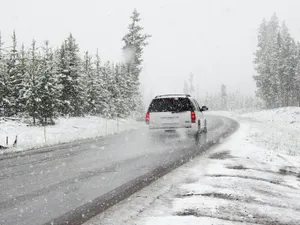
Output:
[[36, 188]]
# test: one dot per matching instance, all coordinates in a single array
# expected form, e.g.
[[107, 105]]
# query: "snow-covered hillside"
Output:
[[65, 130]]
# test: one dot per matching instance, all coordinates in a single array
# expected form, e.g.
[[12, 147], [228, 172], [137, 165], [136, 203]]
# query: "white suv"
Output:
[[176, 111]]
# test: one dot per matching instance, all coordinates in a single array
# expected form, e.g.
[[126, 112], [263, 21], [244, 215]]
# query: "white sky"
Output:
[[213, 39]]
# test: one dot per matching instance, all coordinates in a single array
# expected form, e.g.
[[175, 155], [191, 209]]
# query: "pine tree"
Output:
[[101, 87], [297, 76], [31, 95], [293, 67], [12, 81], [287, 66], [121, 92], [92, 89], [113, 90], [61, 73], [186, 89], [22, 73], [259, 61], [134, 43], [48, 88], [116, 91], [223, 97], [291, 64], [266, 62], [272, 60], [191, 84], [125, 89], [69, 77], [280, 75], [108, 81], [206, 99], [276, 65], [3, 79]]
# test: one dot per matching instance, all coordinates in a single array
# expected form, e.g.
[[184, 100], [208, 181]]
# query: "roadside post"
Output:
[[45, 134], [117, 124]]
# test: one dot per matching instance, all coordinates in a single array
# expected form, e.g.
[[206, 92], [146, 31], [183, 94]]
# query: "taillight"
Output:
[[147, 118], [193, 117]]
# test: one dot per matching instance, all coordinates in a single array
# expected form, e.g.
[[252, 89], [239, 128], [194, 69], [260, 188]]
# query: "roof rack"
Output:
[[184, 95]]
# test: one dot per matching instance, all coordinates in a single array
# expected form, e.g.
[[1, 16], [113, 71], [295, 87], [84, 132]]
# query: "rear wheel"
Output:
[[205, 127], [199, 128]]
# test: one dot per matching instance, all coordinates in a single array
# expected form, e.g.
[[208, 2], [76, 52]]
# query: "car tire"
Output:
[[205, 127], [199, 128]]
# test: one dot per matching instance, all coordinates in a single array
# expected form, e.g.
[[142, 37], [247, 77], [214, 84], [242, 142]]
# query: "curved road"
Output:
[[38, 187]]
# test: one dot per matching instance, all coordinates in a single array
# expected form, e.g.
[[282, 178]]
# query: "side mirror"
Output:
[[204, 108]]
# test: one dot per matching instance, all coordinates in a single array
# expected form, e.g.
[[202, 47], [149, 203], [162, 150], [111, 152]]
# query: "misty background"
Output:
[[213, 39]]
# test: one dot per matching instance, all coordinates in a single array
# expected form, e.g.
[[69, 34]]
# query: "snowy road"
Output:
[[40, 187]]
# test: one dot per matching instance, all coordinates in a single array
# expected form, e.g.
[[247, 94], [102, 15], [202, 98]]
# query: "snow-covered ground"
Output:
[[65, 130], [252, 178], [277, 130]]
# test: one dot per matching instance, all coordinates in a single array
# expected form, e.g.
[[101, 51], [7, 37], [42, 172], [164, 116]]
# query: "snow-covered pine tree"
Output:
[[186, 89], [108, 80], [141, 108], [291, 69], [22, 73], [297, 75], [3, 79], [134, 43], [191, 84], [206, 99], [114, 93], [61, 73], [287, 66], [117, 90], [101, 87], [69, 78], [280, 75], [124, 83], [48, 88], [92, 89], [261, 78], [272, 59], [31, 95], [12, 81], [122, 92], [188, 85], [293, 66], [266, 62], [223, 97]]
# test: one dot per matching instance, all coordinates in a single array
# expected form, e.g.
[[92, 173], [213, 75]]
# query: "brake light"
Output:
[[147, 118], [193, 117]]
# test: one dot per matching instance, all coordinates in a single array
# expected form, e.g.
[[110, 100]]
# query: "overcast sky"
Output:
[[213, 39]]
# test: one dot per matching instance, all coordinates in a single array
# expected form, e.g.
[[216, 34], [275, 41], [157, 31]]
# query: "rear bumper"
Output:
[[169, 128], [189, 128], [189, 131]]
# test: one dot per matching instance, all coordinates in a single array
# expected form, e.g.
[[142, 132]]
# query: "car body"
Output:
[[176, 111]]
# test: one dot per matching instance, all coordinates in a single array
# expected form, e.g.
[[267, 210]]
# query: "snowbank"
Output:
[[65, 130], [276, 129], [288, 115]]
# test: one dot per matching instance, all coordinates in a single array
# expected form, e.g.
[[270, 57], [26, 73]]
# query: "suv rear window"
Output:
[[171, 105]]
